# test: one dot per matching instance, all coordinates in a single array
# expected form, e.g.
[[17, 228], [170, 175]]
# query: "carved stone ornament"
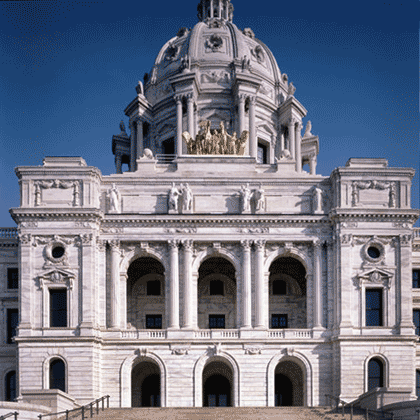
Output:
[[173, 198], [180, 351], [56, 276], [29, 224], [249, 33], [308, 130], [215, 77], [217, 349], [215, 24], [357, 186], [215, 142], [182, 32], [406, 240], [375, 276], [56, 252], [112, 230], [290, 351], [25, 238], [114, 200], [246, 196], [57, 184], [214, 43], [258, 54], [181, 230], [172, 53], [291, 91], [347, 239], [317, 194], [253, 350], [259, 199], [142, 351], [254, 231]]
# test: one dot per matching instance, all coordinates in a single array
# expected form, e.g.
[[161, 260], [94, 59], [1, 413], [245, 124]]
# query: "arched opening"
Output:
[[289, 385], [57, 375], [10, 386], [146, 294], [217, 385], [216, 294], [145, 385], [375, 373], [287, 288]]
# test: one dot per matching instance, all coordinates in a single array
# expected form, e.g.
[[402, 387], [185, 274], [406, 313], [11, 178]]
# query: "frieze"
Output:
[[254, 230], [29, 224], [181, 230], [221, 78], [112, 230], [180, 350]]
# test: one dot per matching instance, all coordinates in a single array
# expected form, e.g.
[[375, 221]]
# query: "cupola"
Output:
[[215, 9]]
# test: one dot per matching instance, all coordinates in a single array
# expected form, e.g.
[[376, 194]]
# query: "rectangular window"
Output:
[[416, 320], [216, 321], [418, 383], [154, 322], [374, 308], [416, 279], [261, 153], [279, 321], [12, 323], [58, 308], [12, 278]]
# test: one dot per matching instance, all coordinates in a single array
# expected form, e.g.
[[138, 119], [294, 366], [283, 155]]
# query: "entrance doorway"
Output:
[[217, 392], [289, 385], [283, 396], [145, 385], [217, 385]]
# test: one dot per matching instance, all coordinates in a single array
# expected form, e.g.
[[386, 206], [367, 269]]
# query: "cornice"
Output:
[[368, 215], [374, 173], [45, 172], [211, 220], [21, 214]]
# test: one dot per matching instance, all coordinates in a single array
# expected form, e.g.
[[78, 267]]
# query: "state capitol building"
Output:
[[216, 267]]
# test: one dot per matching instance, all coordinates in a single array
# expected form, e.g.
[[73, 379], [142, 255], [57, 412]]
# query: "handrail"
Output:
[[89, 408], [6, 416]]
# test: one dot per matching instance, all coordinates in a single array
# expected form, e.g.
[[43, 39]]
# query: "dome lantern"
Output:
[[215, 9]]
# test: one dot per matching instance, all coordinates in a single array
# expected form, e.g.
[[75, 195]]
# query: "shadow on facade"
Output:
[[217, 385]]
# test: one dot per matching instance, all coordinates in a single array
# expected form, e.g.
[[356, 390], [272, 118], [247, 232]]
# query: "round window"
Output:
[[373, 252], [57, 252]]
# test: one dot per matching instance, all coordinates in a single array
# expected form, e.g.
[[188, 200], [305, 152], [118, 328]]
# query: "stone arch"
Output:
[[292, 253], [137, 253], [125, 376], [219, 253], [199, 366], [4, 385], [385, 364], [300, 360], [46, 370]]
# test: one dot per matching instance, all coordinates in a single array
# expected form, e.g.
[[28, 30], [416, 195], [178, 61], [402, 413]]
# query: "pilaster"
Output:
[[115, 283]]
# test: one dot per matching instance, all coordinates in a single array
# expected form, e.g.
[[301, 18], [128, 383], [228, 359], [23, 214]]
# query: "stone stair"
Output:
[[229, 413]]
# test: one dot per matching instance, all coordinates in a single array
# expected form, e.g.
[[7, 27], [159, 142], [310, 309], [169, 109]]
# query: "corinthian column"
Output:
[[317, 323], [115, 283], [253, 141], [178, 100], [241, 113], [140, 145], [173, 289], [291, 127], [132, 147], [259, 286], [245, 316], [298, 147], [188, 302], [190, 110]]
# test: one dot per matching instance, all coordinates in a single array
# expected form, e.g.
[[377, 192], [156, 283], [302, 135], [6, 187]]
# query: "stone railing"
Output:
[[286, 333], [213, 334], [416, 233], [8, 233], [144, 334]]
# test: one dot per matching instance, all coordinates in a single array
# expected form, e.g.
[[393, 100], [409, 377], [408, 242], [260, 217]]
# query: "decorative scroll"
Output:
[[57, 184], [358, 186]]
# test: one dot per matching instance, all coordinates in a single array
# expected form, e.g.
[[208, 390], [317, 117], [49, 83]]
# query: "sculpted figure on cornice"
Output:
[[291, 91], [215, 142], [249, 33], [259, 197], [246, 196], [173, 199], [114, 200], [187, 198]]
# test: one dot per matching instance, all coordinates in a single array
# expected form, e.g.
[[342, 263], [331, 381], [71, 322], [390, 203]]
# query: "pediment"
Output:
[[374, 276], [56, 276]]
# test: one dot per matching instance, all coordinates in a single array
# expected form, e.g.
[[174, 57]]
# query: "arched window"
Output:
[[10, 386], [58, 375], [375, 374]]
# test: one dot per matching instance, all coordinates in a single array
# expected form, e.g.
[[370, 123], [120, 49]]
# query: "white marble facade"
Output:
[[276, 259]]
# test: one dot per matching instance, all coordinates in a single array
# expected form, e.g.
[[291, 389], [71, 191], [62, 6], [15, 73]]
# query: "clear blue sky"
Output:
[[69, 68]]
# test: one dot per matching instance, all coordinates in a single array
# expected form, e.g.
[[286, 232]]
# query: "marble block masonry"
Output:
[[216, 266]]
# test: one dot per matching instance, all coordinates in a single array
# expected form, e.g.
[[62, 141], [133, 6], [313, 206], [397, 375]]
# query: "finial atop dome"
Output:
[[215, 9]]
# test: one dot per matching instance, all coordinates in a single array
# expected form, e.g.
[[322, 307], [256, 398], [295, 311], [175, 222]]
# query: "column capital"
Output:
[[317, 243], [252, 100], [173, 243], [292, 121], [114, 244], [299, 125], [246, 244], [178, 98], [260, 244], [242, 97], [187, 244], [189, 97]]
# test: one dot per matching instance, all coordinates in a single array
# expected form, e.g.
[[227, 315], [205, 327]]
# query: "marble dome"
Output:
[[215, 47]]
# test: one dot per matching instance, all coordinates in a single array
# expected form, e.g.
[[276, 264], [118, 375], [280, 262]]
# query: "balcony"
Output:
[[214, 334]]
